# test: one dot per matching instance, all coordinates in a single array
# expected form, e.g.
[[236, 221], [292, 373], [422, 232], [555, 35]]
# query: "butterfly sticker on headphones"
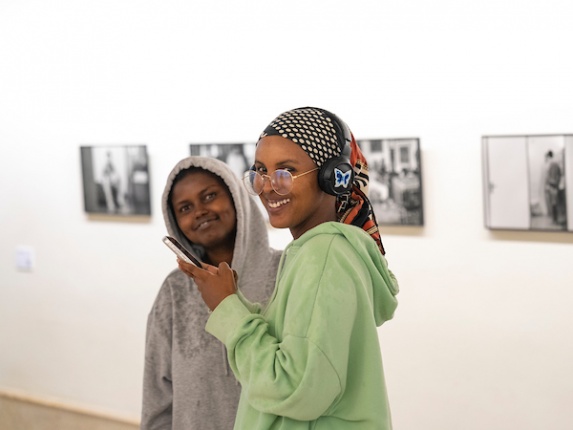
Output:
[[342, 178]]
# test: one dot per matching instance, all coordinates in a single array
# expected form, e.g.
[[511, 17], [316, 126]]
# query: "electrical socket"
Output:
[[25, 258]]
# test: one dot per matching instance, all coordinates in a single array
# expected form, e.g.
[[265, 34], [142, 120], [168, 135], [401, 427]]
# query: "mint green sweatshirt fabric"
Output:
[[311, 358]]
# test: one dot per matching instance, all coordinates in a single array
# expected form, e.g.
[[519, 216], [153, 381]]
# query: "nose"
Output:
[[267, 185], [199, 210]]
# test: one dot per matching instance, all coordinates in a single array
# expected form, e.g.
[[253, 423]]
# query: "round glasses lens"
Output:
[[253, 182], [281, 181]]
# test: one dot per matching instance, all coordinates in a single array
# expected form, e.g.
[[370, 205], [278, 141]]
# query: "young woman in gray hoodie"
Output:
[[187, 382]]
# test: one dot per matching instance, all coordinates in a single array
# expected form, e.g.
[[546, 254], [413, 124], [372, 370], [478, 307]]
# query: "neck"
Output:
[[325, 213], [219, 255]]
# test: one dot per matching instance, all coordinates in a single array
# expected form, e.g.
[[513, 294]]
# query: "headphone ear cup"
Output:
[[336, 176]]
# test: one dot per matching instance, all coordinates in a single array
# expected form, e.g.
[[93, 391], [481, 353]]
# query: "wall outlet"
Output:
[[25, 258]]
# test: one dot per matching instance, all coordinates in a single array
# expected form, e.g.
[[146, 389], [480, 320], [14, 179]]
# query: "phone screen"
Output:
[[180, 251]]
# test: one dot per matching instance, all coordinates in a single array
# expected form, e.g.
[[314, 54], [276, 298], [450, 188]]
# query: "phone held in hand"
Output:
[[180, 251]]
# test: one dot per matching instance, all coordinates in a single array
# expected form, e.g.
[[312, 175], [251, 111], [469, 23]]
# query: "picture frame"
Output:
[[528, 182], [395, 186], [116, 179], [239, 156]]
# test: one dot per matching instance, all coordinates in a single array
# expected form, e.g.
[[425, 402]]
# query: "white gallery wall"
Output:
[[483, 334]]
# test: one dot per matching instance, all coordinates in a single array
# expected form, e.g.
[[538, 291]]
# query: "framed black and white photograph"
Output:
[[116, 179], [239, 156], [395, 187], [528, 182]]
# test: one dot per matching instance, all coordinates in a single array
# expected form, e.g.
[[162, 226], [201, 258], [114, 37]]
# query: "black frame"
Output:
[[116, 179]]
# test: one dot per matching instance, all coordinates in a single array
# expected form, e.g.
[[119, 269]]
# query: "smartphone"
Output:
[[181, 252]]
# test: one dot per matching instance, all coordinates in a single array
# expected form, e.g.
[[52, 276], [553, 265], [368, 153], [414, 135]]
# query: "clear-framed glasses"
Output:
[[281, 180]]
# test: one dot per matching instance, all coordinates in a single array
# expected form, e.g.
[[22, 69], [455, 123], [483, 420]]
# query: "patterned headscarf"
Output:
[[313, 130]]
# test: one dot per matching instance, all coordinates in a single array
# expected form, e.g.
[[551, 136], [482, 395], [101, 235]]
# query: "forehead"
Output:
[[277, 149], [196, 181]]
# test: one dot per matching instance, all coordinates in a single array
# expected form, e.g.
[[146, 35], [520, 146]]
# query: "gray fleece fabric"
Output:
[[187, 381]]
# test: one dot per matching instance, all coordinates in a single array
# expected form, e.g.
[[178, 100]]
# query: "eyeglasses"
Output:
[[281, 181]]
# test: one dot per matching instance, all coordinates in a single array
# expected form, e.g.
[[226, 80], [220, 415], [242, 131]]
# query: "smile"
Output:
[[278, 203], [204, 224]]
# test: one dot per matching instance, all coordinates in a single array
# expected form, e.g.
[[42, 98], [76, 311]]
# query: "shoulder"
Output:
[[332, 237], [339, 248], [178, 304], [323, 268], [177, 289], [334, 228], [327, 249]]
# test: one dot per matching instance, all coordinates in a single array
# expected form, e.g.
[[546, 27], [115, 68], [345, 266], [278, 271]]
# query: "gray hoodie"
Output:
[[187, 382]]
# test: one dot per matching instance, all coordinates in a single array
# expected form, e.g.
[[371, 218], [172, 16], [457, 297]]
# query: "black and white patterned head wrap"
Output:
[[310, 128]]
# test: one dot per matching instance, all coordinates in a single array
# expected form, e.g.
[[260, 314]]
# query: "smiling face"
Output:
[[204, 211], [306, 205]]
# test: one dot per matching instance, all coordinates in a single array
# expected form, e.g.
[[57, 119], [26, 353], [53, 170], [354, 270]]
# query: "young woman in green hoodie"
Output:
[[311, 358]]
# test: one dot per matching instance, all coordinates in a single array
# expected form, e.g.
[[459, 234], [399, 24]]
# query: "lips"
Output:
[[204, 223]]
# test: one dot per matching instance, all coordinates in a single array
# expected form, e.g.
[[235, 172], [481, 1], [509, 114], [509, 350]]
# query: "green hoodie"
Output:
[[311, 359]]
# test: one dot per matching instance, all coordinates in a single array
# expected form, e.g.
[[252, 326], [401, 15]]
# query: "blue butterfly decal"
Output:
[[342, 179]]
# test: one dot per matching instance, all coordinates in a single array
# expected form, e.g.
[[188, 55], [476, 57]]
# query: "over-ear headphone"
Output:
[[336, 175]]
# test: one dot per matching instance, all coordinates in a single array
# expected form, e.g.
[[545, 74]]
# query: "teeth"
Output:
[[203, 224], [278, 203]]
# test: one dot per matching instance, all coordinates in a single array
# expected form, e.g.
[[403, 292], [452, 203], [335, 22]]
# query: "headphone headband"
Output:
[[343, 135]]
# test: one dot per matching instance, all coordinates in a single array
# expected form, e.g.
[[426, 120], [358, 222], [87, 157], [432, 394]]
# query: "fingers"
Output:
[[222, 277], [214, 283], [189, 269], [211, 269], [195, 272]]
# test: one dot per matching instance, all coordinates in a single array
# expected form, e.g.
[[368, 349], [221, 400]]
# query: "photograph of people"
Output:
[[547, 190]]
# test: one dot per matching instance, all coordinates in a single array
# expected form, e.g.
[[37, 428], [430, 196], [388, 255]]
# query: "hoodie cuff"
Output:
[[226, 317]]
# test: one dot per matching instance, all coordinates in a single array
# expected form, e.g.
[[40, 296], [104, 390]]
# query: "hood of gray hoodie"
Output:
[[251, 242]]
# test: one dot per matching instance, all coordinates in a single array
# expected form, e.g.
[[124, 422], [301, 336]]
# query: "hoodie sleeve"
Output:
[[301, 374], [157, 383], [254, 308]]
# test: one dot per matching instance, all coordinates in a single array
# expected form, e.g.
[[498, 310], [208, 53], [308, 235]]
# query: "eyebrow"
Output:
[[287, 161]]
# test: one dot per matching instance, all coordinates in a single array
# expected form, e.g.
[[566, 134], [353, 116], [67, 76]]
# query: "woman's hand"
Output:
[[214, 284]]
